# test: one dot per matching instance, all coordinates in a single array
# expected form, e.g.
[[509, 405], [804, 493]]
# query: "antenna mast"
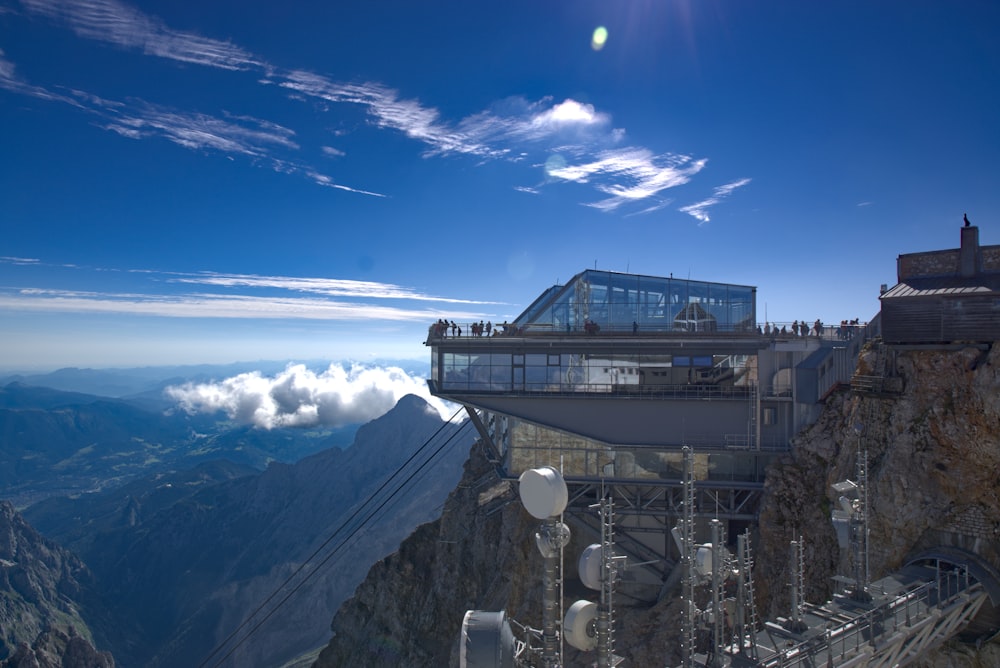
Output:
[[687, 550]]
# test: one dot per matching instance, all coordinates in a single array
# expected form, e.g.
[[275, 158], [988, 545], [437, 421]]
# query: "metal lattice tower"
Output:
[[719, 569], [746, 608], [798, 584], [605, 621], [859, 524], [686, 527]]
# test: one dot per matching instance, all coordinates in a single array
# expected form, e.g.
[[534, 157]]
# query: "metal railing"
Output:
[[772, 330], [885, 627]]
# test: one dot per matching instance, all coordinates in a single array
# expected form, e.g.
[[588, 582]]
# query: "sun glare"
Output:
[[599, 38]]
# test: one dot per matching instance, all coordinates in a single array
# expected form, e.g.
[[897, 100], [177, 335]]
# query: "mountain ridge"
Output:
[[184, 568]]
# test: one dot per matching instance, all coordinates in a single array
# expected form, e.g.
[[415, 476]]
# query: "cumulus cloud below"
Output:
[[300, 397]]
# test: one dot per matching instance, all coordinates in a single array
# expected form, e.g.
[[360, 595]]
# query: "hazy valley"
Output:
[[178, 526]]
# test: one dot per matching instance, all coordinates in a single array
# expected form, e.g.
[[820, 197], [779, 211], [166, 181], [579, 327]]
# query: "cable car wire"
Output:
[[358, 511]]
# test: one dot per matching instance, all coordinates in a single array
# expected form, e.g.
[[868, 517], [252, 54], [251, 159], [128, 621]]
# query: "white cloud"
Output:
[[245, 296], [332, 287], [299, 397], [632, 174], [515, 120], [387, 110], [9, 80], [328, 182], [580, 133], [237, 134], [6, 68], [214, 306], [699, 210], [124, 26], [569, 112]]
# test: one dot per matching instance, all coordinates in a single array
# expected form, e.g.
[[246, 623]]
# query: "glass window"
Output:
[[500, 378], [535, 378], [614, 301], [770, 416]]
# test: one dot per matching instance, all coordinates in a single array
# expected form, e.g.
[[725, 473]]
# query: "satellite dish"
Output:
[[590, 566], [703, 560], [487, 641], [581, 632], [543, 492], [550, 542], [846, 504]]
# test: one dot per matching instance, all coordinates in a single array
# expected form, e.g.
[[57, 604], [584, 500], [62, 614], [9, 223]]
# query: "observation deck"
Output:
[[640, 361], [617, 358], [611, 375]]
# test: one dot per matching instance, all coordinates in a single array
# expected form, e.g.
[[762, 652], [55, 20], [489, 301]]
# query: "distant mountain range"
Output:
[[148, 382], [66, 443], [183, 535]]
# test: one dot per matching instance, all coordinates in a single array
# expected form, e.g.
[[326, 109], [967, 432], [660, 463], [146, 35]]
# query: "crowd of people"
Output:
[[443, 328], [844, 332]]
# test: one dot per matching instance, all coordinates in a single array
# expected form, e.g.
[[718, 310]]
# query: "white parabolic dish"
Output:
[[578, 625], [543, 492], [590, 565]]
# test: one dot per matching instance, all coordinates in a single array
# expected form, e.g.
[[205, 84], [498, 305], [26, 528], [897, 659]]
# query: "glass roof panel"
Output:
[[607, 301]]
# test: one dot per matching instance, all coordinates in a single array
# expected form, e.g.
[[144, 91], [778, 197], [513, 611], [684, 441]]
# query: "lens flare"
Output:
[[599, 38], [554, 163]]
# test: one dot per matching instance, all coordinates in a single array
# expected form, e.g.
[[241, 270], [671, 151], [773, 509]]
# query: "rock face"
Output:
[[933, 449], [44, 594], [480, 555], [933, 461]]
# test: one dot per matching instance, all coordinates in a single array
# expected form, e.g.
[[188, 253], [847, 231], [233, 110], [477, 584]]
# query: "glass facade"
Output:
[[654, 373], [595, 301], [531, 446]]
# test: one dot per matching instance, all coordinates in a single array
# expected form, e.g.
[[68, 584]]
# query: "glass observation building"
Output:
[[611, 375]]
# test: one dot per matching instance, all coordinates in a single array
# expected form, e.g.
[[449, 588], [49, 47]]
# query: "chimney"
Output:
[[968, 256]]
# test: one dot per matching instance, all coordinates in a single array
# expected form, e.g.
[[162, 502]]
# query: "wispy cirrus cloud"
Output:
[[634, 174], [12, 81], [699, 210], [240, 296], [232, 134], [587, 148], [229, 134], [388, 110], [6, 259], [328, 182], [213, 306], [332, 287], [124, 26]]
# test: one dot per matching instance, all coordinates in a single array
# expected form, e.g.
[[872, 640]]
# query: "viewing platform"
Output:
[[641, 361]]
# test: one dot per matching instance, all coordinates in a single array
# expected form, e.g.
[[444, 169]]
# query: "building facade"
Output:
[[609, 376], [945, 296]]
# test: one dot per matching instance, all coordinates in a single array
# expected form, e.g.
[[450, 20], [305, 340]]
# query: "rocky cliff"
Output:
[[933, 452], [933, 444], [45, 592]]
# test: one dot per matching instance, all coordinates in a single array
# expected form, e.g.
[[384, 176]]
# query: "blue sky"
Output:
[[223, 181]]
